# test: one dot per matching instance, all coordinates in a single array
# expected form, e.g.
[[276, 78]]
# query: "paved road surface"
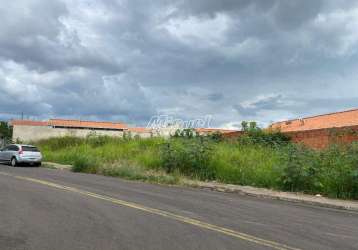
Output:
[[51, 209]]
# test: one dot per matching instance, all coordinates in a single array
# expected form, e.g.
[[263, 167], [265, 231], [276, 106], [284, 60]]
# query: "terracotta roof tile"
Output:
[[332, 120], [71, 124], [86, 124], [28, 123]]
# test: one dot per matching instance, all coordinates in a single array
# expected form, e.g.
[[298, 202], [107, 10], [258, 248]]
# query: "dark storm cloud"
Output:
[[32, 33], [292, 14], [128, 60], [213, 7], [270, 102], [215, 97]]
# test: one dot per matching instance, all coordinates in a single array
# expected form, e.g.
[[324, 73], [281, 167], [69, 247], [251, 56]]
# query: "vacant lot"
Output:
[[261, 160]]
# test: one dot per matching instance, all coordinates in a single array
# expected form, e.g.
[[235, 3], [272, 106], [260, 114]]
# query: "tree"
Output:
[[5, 130], [250, 126], [244, 126], [253, 127]]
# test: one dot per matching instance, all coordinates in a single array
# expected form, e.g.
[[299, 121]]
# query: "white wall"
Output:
[[35, 133]]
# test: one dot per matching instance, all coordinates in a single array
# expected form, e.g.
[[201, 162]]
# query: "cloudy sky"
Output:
[[126, 60]]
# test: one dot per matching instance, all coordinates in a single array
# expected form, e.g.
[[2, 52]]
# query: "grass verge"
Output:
[[261, 160]]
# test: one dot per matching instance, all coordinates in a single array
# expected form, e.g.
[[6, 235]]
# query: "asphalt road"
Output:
[[52, 209]]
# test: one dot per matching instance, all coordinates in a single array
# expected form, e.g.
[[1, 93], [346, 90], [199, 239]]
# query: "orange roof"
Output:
[[332, 120], [86, 124], [28, 123], [71, 124]]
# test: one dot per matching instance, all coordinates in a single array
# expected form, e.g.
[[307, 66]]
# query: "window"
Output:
[[12, 148], [29, 149]]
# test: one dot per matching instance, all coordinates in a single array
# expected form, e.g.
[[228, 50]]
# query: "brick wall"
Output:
[[233, 134], [322, 138], [317, 138]]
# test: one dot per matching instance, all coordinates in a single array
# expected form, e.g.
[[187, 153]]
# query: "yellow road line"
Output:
[[183, 219]]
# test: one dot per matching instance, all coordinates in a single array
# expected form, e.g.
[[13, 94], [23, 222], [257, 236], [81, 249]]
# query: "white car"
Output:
[[16, 154]]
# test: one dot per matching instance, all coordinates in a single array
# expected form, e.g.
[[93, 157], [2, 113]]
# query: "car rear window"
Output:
[[13, 148], [29, 149]]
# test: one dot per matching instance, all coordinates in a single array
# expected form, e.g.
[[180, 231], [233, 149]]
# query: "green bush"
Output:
[[188, 156], [332, 172], [216, 137], [339, 171], [266, 138], [300, 169], [5, 130], [255, 135], [85, 164]]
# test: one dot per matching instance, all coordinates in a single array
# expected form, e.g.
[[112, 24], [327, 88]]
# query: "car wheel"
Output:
[[13, 162], [38, 164]]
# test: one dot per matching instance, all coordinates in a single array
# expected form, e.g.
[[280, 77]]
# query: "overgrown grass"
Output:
[[260, 159]]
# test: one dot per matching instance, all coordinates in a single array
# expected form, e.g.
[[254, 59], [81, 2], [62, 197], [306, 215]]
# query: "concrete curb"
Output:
[[256, 192], [277, 195]]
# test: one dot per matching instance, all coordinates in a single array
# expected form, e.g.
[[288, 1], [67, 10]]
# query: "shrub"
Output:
[[188, 156], [266, 138], [216, 137], [332, 172], [5, 130], [339, 171], [300, 169], [255, 135], [85, 164]]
